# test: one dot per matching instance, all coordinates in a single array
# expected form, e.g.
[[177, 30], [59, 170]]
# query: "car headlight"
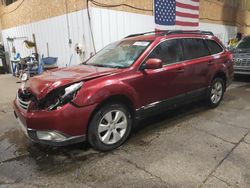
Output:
[[59, 97], [72, 89]]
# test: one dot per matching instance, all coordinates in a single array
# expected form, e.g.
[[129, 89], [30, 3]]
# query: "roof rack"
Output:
[[172, 32], [139, 34]]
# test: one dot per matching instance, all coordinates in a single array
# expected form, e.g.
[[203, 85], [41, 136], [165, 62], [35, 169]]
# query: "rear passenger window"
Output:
[[169, 52], [214, 47], [194, 48]]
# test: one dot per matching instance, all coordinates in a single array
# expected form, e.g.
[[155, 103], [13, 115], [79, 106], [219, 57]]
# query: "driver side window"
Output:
[[169, 51]]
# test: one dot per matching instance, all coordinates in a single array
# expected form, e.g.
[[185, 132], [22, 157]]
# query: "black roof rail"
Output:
[[139, 34], [171, 32]]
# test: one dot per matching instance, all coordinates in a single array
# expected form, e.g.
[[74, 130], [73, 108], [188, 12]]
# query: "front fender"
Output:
[[89, 95]]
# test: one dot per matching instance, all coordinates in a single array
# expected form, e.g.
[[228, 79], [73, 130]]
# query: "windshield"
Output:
[[244, 43], [120, 54]]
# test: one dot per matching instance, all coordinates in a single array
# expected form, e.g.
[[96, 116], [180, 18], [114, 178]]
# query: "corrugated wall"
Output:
[[111, 25], [54, 32], [108, 26]]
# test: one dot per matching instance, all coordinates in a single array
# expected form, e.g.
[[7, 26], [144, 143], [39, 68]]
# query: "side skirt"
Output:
[[171, 103]]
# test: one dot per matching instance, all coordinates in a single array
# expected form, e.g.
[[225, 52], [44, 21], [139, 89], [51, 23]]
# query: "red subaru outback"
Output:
[[138, 76]]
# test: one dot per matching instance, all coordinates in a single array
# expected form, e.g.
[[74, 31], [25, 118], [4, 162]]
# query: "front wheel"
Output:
[[216, 92], [109, 127]]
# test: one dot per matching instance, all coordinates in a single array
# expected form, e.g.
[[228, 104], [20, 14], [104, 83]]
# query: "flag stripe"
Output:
[[187, 15], [189, 2], [184, 19], [187, 10], [176, 14], [182, 5], [181, 23]]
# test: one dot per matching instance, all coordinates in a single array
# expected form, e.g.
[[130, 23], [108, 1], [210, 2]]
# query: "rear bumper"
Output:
[[69, 122]]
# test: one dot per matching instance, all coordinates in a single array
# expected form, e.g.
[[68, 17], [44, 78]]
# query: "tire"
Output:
[[216, 92], [110, 127]]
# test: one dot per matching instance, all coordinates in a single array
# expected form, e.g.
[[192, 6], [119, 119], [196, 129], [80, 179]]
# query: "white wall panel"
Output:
[[111, 25], [54, 31], [108, 26], [223, 32]]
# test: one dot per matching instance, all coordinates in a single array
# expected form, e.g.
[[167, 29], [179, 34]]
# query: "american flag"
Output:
[[176, 14]]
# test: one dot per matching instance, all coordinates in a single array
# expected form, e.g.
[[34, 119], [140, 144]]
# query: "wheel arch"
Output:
[[222, 75], [121, 99]]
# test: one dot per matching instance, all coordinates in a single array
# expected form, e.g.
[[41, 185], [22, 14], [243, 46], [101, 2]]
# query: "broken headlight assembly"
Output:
[[59, 97]]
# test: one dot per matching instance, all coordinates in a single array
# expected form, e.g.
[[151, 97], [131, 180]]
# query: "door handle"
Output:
[[180, 70], [210, 62]]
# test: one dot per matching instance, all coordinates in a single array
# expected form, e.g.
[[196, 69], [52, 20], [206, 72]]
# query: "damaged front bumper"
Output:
[[65, 126], [50, 137]]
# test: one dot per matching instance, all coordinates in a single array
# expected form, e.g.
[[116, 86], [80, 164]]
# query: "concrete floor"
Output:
[[190, 147]]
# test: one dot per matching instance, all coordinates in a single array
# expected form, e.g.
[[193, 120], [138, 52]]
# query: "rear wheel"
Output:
[[216, 92], [109, 127]]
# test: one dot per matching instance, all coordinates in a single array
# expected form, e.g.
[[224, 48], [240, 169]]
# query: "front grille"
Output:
[[242, 59], [242, 62], [24, 98], [241, 71]]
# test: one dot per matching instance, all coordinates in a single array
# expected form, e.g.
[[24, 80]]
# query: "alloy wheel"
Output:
[[216, 92], [112, 127]]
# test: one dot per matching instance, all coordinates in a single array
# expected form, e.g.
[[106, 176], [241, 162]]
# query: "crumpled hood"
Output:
[[50, 80]]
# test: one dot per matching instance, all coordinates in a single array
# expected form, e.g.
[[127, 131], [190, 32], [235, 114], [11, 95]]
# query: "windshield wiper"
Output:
[[117, 66], [109, 66], [98, 65]]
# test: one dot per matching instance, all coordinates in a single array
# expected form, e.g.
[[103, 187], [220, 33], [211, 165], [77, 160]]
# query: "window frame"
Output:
[[205, 45], [180, 38], [206, 42], [165, 40]]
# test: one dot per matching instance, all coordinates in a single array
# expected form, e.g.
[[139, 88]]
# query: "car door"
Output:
[[197, 58], [217, 60], [160, 86]]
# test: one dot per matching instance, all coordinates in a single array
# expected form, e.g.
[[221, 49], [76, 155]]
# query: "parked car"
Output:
[[241, 55], [134, 78]]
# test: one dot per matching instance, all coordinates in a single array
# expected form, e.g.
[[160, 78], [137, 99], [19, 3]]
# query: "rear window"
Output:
[[194, 48], [214, 47], [244, 43]]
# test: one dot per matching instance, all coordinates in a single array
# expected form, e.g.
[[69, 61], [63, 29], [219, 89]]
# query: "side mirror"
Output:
[[152, 63]]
